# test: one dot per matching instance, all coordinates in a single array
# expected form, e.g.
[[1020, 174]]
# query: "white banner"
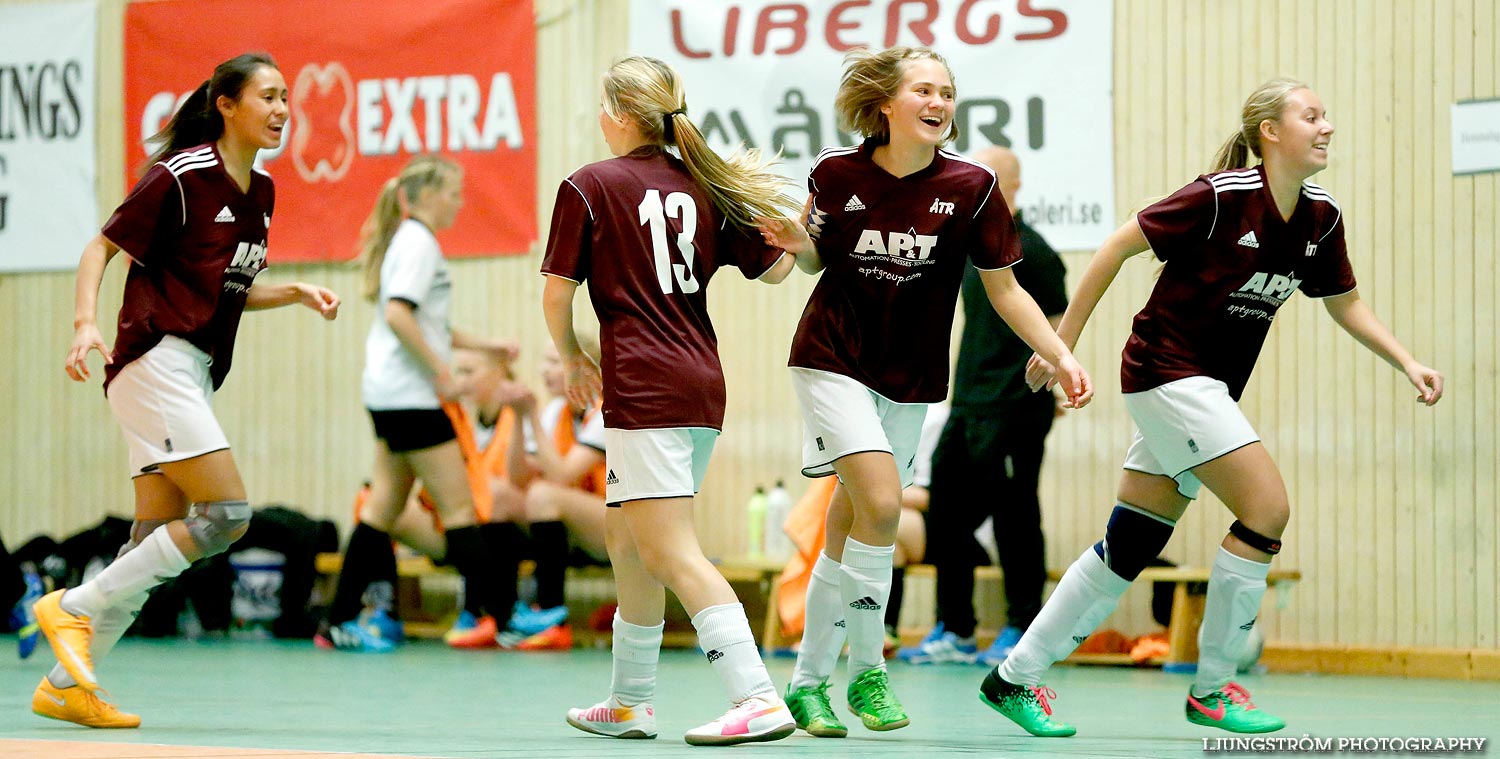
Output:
[[48, 209], [1476, 136], [1032, 75]]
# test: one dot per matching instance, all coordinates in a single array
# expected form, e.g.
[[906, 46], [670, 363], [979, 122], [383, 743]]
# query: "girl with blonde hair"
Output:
[[1236, 244], [407, 380], [647, 230], [892, 223]]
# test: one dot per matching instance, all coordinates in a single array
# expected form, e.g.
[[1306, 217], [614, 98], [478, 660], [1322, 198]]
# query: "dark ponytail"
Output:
[[198, 120]]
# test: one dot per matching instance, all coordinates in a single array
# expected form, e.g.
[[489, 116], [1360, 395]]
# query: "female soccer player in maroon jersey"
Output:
[[894, 221], [1236, 244], [647, 230], [195, 230]]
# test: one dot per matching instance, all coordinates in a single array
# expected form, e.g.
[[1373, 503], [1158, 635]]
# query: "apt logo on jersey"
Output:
[[905, 245], [1274, 286]]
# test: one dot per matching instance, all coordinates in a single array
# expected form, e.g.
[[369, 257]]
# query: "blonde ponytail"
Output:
[[390, 210], [650, 94], [1264, 104]]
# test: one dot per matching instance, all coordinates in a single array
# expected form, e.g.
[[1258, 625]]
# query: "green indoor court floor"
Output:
[[426, 700]]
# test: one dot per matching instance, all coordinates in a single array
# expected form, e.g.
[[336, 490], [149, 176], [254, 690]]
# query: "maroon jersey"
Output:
[[647, 237], [893, 252], [1231, 261], [197, 243]]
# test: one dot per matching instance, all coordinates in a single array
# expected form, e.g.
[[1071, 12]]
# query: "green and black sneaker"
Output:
[[870, 698], [812, 711], [1027, 707]]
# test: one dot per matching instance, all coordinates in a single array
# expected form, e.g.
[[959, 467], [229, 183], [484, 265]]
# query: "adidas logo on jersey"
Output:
[[224, 215], [854, 204], [715, 655], [840, 623], [1249, 240], [865, 604], [1249, 624], [610, 478], [1079, 639]]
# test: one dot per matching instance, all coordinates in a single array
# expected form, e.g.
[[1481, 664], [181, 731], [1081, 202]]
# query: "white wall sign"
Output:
[[48, 209], [1033, 76], [1476, 136]]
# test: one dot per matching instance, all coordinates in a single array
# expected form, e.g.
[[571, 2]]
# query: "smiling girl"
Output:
[[195, 231], [890, 223], [1236, 243]]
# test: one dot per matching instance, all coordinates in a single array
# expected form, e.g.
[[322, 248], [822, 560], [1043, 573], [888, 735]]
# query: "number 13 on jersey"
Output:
[[654, 212]]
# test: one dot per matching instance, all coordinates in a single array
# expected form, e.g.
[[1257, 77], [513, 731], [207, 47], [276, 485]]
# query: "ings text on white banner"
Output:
[[48, 208], [1032, 75]]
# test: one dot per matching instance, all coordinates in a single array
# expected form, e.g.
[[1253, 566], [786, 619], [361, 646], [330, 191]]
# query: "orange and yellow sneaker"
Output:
[[481, 635], [554, 638], [70, 636], [80, 706]]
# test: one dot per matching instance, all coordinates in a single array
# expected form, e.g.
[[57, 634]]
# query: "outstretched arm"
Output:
[[1017, 308], [320, 299], [96, 256], [1120, 246], [1355, 316]]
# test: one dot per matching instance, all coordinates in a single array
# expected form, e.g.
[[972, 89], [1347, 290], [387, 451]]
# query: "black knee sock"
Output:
[[549, 547], [369, 558], [482, 563], [893, 606]]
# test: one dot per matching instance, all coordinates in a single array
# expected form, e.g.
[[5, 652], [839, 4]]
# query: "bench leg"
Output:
[[1182, 633]]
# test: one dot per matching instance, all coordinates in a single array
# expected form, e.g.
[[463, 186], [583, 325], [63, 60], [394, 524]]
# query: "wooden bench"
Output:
[[411, 570], [753, 579], [1188, 595]]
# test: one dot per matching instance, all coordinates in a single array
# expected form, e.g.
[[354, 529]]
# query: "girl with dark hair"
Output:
[[1237, 243], [194, 228]]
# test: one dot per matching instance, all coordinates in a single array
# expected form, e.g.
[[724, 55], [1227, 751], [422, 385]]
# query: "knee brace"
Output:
[[1254, 539], [1133, 538], [214, 525]]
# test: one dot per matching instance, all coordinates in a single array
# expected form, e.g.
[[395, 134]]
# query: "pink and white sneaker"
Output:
[[615, 720], [756, 719]]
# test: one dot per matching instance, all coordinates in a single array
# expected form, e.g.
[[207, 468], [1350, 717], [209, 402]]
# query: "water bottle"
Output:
[[778, 505], [755, 515]]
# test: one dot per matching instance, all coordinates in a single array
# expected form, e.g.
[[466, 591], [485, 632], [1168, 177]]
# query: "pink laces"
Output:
[[1238, 695], [1042, 694]]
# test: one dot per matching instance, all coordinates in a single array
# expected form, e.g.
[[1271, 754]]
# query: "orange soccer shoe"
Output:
[[70, 636], [80, 706], [554, 638]]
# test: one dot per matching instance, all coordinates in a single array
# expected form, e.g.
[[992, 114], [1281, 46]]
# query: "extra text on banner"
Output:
[[1032, 75], [368, 91]]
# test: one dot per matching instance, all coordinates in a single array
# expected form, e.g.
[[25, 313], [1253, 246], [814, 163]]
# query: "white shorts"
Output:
[[660, 463], [841, 416], [164, 404], [1182, 424]]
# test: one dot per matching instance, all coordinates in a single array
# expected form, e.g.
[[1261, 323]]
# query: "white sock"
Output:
[[724, 635], [865, 582], [109, 626], [823, 628], [156, 560], [636, 650], [1088, 592], [1235, 589]]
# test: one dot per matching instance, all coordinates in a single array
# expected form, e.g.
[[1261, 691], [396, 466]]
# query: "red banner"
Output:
[[372, 84]]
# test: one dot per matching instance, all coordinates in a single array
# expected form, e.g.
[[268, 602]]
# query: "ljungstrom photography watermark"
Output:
[[1312, 744]]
